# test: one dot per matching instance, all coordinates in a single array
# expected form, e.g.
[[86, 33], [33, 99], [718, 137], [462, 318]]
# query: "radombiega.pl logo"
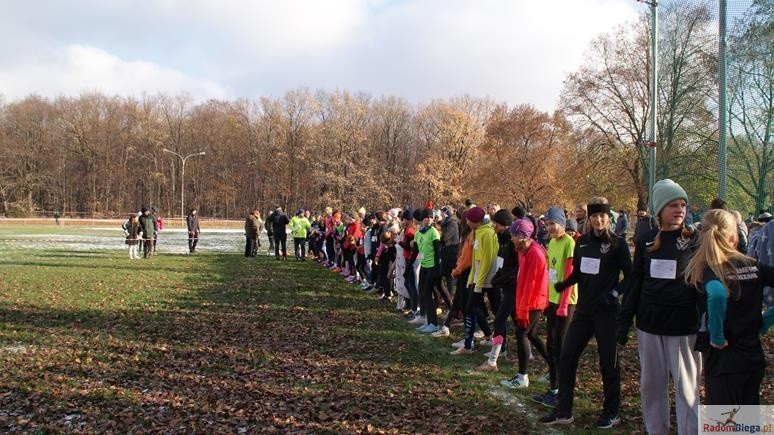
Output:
[[751, 419]]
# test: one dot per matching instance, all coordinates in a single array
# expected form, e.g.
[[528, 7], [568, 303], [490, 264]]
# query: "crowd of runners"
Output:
[[694, 289]]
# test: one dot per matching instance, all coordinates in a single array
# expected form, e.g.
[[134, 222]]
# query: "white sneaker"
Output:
[[478, 334], [443, 332], [518, 381], [460, 343], [486, 342], [546, 378]]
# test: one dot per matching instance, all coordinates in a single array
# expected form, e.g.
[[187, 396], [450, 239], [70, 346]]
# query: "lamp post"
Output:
[[653, 98], [182, 177]]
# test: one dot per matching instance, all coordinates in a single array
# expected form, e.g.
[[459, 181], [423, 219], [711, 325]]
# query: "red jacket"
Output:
[[532, 282], [353, 235]]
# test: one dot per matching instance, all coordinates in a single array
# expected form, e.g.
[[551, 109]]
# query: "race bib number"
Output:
[[663, 269], [552, 275], [590, 266], [500, 262]]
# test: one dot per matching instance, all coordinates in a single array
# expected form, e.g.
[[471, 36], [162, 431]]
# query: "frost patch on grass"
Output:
[[172, 241], [14, 348]]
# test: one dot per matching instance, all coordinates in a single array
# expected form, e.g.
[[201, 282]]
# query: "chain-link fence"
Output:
[[692, 91]]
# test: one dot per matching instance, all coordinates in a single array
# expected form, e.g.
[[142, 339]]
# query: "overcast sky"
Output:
[[516, 51]]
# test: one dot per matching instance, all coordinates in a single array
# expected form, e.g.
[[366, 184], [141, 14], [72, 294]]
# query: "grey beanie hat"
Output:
[[664, 192], [556, 214]]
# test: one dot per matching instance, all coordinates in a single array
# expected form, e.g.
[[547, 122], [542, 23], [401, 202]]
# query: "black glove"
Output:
[[560, 286]]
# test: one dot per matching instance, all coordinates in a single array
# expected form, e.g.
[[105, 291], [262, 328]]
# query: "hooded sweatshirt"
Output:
[[484, 259]]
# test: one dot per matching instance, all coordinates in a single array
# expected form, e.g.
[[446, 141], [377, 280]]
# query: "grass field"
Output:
[[214, 342]]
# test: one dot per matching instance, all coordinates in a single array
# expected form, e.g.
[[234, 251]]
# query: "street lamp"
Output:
[[182, 177], [653, 98]]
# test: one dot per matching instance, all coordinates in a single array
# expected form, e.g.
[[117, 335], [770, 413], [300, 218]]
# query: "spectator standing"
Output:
[[251, 232], [270, 232], [279, 228], [132, 230], [580, 218], [192, 221], [299, 229], [148, 228], [622, 224], [644, 225]]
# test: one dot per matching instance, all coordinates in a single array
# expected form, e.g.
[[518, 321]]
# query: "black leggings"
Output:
[[526, 336], [506, 310], [459, 299], [601, 325], [329, 252], [349, 260], [427, 279], [556, 328]]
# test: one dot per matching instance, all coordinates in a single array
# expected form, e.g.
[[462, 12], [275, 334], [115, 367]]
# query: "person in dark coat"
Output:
[[192, 220], [148, 228], [280, 222], [251, 232]]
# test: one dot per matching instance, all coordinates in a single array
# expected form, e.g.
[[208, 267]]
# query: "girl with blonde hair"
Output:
[[730, 296]]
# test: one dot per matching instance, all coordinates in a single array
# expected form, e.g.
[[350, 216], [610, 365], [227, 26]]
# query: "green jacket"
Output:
[[148, 226], [299, 227]]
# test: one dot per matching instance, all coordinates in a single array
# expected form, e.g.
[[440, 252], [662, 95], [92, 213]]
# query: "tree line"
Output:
[[103, 155]]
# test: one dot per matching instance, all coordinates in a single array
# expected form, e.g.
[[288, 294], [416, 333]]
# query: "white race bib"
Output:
[[475, 245], [663, 269], [373, 239], [552, 275], [590, 266], [500, 262]]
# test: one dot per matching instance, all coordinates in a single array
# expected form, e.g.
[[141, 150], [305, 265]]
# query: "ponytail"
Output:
[[716, 252]]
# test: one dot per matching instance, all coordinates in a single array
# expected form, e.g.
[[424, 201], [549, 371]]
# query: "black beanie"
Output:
[[503, 218], [519, 212]]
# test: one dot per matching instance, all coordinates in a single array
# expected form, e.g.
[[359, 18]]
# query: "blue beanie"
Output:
[[556, 215], [664, 192]]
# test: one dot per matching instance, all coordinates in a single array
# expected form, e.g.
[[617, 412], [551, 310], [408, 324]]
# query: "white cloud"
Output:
[[511, 50], [79, 68]]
